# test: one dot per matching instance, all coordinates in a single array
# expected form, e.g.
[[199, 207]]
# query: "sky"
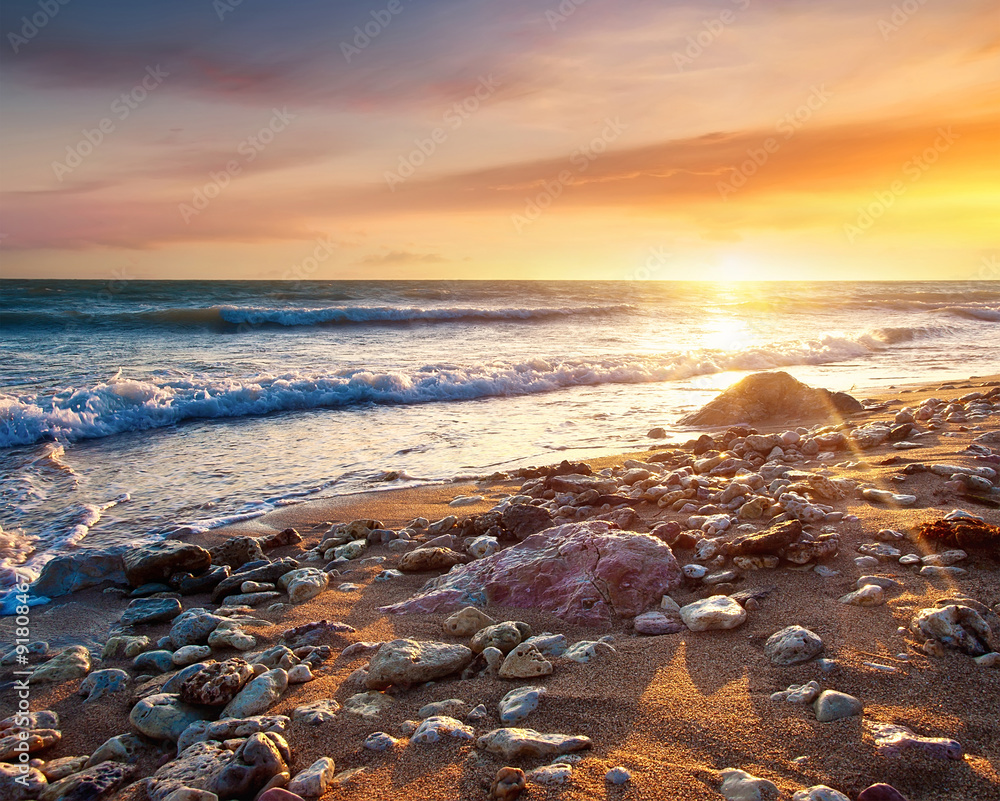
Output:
[[485, 139]]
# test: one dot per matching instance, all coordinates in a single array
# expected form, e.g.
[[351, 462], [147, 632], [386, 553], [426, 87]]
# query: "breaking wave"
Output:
[[124, 404]]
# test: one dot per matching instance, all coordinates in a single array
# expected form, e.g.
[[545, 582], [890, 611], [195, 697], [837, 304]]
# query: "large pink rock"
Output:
[[584, 572]]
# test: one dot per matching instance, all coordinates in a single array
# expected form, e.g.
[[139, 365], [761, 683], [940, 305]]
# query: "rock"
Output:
[[77, 571], [589, 651], [888, 498], [18, 785], [466, 622], [523, 520], [407, 662], [771, 397], [525, 662], [150, 610], [833, 705], [124, 646], [716, 612], [210, 766], [798, 693], [164, 716], [955, 626], [189, 654], [103, 682], [317, 632], [516, 743], [125, 748], [819, 792], [193, 627], [300, 674], [656, 622], [892, 740], [258, 695], [56, 769], [72, 663], [379, 741], [551, 775], [769, 541], [791, 645], [482, 547], [505, 637], [217, 683], [314, 780], [228, 634], [30, 742], [881, 792], [738, 785], [618, 776], [548, 644], [93, 784], [154, 662], [434, 728], [520, 702], [191, 794], [868, 595], [988, 660], [270, 573], [316, 712], [279, 794], [236, 552], [507, 785], [422, 560], [158, 561], [303, 584], [560, 570], [186, 584], [368, 704], [222, 730]]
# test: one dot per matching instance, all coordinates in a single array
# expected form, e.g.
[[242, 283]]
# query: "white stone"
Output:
[[716, 612]]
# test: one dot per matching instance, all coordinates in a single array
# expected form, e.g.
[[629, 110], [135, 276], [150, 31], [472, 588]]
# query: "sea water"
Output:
[[130, 409]]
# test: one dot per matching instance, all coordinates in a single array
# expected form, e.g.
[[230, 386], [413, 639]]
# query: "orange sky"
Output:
[[732, 139]]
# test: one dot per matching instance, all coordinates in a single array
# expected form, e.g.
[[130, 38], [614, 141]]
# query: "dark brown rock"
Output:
[[237, 551], [523, 520], [769, 541], [158, 561], [772, 397]]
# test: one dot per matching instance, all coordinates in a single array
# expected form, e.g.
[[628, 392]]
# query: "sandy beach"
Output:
[[674, 710]]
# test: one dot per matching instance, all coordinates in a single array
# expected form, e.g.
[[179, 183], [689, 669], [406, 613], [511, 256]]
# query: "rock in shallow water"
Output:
[[560, 570]]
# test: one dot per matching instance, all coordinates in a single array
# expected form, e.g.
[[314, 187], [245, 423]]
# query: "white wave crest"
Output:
[[123, 404]]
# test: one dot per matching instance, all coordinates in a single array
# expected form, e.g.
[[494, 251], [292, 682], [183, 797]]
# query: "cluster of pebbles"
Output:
[[737, 503]]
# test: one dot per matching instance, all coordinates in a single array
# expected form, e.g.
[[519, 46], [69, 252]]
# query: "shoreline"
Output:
[[674, 709]]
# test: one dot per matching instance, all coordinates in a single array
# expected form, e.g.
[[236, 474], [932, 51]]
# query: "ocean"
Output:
[[130, 409]]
